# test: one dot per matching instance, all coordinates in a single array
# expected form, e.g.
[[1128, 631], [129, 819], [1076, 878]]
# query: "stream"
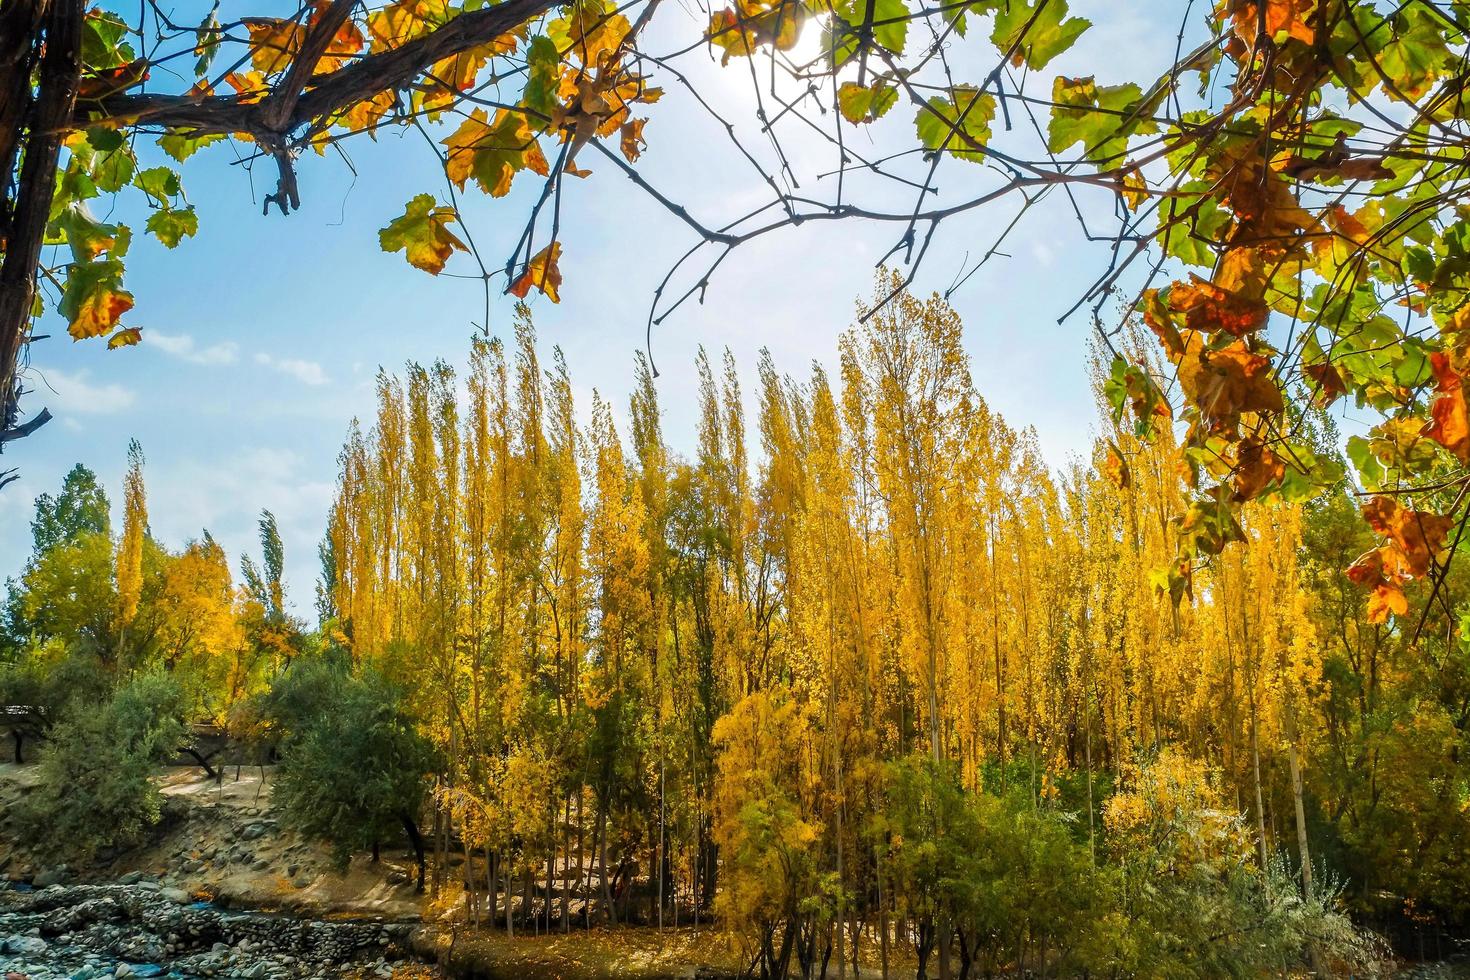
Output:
[[139, 929]]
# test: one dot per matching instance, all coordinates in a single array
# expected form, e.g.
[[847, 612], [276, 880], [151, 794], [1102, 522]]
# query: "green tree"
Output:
[[80, 508], [354, 767]]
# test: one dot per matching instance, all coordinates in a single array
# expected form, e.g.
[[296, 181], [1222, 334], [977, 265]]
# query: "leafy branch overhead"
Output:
[[1285, 199]]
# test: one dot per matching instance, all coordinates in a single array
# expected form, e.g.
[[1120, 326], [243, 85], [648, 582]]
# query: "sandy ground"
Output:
[[222, 840]]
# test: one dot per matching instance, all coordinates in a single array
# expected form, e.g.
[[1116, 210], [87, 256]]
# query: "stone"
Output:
[[176, 895], [50, 876]]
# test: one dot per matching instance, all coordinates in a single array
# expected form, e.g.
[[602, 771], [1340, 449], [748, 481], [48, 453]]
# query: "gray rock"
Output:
[[50, 876]]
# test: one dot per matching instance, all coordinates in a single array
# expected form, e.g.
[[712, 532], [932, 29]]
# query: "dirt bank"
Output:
[[221, 842]]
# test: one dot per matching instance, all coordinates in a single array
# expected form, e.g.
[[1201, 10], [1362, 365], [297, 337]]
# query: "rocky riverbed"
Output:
[[142, 929]]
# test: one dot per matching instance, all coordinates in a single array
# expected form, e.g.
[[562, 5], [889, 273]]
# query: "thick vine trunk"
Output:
[[47, 33]]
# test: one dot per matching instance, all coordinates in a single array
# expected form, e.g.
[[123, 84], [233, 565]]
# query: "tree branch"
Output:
[[278, 107], [325, 94], [25, 428]]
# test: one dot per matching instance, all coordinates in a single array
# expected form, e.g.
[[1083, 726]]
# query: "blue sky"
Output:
[[263, 333]]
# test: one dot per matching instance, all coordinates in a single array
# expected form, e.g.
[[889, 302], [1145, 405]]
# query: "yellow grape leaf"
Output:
[[126, 337], [1134, 189], [457, 73], [594, 36], [728, 32], [94, 299], [865, 103], [423, 234], [493, 153], [401, 22], [273, 43], [541, 272], [365, 115]]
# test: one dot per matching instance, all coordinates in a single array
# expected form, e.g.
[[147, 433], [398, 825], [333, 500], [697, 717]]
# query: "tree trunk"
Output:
[[510, 927], [608, 912], [566, 881], [1256, 779], [417, 840]]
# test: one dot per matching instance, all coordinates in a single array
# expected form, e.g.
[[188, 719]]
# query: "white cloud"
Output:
[[79, 396], [182, 346], [307, 372], [188, 493]]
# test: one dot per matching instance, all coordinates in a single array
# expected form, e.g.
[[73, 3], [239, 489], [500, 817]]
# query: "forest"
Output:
[[861, 677], [857, 676]]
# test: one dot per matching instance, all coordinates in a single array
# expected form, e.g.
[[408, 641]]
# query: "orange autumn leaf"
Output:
[[1340, 220], [345, 45], [1267, 213], [1417, 535], [1449, 422], [1226, 382], [1115, 467], [632, 142], [1387, 599], [541, 272], [1158, 317], [1282, 19], [1257, 467], [94, 299], [110, 81], [1367, 569], [250, 86], [1211, 308], [1330, 385]]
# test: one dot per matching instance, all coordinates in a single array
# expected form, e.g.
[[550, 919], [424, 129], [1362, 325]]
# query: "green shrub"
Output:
[[354, 768], [96, 789]]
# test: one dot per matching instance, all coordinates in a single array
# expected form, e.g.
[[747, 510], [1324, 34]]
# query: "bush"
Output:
[[1198, 903], [354, 769], [96, 788]]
